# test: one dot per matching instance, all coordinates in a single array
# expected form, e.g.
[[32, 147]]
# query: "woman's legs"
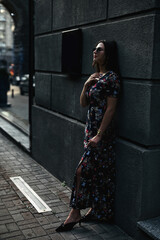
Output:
[[78, 184], [78, 176], [75, 214]]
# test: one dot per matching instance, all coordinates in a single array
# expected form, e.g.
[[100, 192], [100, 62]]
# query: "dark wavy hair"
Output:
[[111, 57]]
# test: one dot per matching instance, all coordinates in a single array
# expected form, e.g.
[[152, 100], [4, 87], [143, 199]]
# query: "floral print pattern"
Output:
[[97, 183]]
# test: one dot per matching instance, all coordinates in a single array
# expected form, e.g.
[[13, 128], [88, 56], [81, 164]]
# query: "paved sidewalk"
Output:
[[14, 133], [20, 220]]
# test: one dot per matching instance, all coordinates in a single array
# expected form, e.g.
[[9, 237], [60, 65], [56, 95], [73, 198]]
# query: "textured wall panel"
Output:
[[156, 53], [43, 16], [135, 45], [43, 89], [65, 96], [48, 52], [151, 178], [128, 185], [155, 114], [139, 114], [72, 13], [137, 189], [123, 7], [57, 143], [134, 112]]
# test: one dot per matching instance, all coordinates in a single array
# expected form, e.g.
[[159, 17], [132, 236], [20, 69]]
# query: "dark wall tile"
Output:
[[53, 143], [136, 181], [66, 94], [156, 49], [134, 111], [155, 114], [121, 7], [73, 13], [48, 52], [89, 11], [65, 16], [151, 176], [43, 16], [138, 112], [129, 168], [43, 89]]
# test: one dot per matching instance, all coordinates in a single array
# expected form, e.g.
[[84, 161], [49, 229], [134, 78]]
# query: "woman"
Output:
[[94, 182]]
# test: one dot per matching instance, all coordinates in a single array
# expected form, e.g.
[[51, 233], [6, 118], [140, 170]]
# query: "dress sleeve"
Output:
[[113, 86], [87, 93]]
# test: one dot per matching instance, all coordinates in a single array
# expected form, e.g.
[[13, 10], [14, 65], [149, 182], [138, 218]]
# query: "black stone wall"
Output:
[[58, 120]]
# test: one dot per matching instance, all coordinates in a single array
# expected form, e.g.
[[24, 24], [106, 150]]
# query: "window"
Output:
[[1, 35]]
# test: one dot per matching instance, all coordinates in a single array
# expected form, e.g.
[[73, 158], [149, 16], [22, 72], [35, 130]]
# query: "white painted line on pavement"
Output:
[[30, 194]]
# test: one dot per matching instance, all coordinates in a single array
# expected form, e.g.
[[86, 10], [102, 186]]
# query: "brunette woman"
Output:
[[94, 181]]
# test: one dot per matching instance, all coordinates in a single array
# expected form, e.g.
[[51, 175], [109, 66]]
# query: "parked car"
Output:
[[24, 84], [17, 79]]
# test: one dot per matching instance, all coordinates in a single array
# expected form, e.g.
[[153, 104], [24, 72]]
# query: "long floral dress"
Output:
[[97, 182]]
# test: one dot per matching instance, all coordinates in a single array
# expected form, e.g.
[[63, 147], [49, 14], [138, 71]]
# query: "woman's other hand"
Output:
[[94, 141]]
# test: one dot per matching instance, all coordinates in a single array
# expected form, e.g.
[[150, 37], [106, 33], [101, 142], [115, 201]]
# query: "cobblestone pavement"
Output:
[[20, 220]]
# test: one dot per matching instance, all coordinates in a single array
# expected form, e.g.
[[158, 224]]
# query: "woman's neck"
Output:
[[102, 70]]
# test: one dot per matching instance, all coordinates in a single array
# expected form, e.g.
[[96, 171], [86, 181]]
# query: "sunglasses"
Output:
[[99, 49]]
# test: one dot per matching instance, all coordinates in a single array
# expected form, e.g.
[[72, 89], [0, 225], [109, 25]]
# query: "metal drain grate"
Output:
[[31, 195]]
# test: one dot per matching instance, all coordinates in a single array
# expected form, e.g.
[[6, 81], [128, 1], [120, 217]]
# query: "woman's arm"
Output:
[[83, 98], [109, 113], [90, 81]]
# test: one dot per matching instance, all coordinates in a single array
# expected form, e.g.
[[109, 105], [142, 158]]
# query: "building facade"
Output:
[[19, 10], [6, 34], [58, 120]]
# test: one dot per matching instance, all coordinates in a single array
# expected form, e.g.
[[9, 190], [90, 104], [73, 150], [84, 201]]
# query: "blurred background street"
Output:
[[18, 112]]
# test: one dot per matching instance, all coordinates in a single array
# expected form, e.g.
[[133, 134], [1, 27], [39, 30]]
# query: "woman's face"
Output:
[[99, 54]]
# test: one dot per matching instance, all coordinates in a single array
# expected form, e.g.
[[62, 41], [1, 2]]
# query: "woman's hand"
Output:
[[94, 141], [92, 80]]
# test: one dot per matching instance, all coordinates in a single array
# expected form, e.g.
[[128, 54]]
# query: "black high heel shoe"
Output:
[[67, 227]]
